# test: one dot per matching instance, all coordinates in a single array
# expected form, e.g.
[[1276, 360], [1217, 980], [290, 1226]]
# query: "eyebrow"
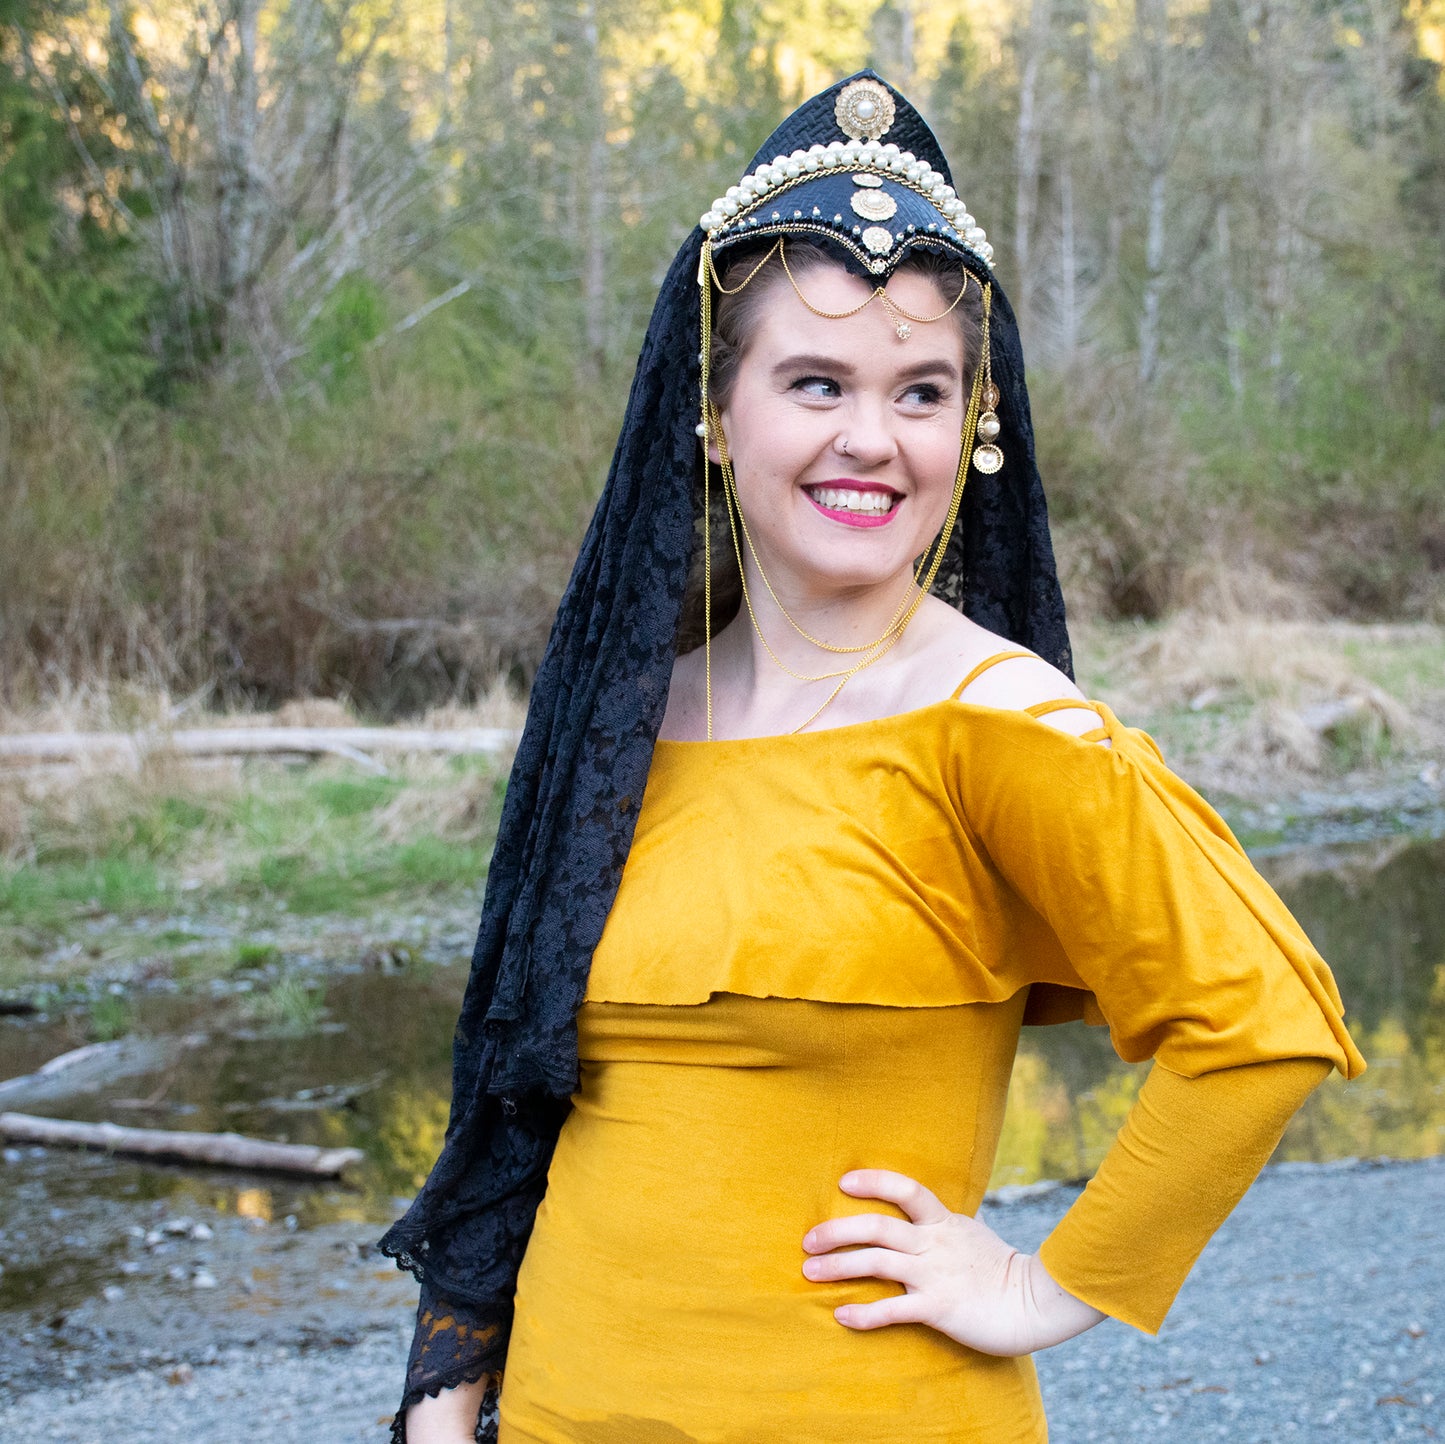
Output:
[[808, 361]]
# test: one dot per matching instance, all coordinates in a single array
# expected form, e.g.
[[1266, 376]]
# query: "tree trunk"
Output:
[[1152, 22], [1068, 263], [594, 182], [355, 743], [1153, 279], [1229, 292], [1026, 155]]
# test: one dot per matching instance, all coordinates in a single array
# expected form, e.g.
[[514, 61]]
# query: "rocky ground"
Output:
[[1316, 1314]]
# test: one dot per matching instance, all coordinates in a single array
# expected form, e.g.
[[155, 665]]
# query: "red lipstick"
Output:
[[854, 518]]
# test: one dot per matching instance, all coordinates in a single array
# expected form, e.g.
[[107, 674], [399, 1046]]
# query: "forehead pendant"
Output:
[[864, 110]]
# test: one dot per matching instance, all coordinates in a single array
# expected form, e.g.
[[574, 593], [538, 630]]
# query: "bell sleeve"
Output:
[[1121, 887], [1128, 894]]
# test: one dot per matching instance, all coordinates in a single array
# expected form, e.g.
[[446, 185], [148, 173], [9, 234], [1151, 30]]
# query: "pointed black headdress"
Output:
[[836, 170]]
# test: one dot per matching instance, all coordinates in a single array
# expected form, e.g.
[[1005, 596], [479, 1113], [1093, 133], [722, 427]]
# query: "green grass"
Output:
[[43, 895], [256, 955], [320, 841], [349, 879], [352, 796], [1401, 665], [293, 1006], [110, 1018]]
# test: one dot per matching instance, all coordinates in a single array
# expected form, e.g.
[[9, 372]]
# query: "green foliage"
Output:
[[270, 464], [353, 316], [48, 892], [111, 1017], [70, 277], [293, 1007], [353, 796], [256, 955]]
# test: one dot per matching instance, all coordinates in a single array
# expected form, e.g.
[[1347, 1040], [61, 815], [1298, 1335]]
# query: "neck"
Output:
[[756, 669]]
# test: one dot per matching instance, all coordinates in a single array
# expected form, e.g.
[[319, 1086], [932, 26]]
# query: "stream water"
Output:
[[372, 1071]]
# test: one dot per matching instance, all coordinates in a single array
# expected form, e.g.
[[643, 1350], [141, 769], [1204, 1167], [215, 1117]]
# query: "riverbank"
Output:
[[1316, 1313], [1300, 732], [243, 930]]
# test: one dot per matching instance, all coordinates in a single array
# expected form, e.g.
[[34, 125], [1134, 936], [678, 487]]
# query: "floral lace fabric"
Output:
[[452, 1346], [577, 783]]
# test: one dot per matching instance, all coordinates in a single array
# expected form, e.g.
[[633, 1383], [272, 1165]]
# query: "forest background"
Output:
[[317, 316]]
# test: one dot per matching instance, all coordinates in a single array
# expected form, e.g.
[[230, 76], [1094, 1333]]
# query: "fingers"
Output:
[[879, 1228], [863, 1263], [912, 1197], [896, 1309]]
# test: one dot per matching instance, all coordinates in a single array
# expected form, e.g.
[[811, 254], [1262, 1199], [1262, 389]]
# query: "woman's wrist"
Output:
[[1055, 1314], [449, 1417]]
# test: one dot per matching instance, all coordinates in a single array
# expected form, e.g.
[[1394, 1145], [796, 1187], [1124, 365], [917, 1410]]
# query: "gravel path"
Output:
[[1316, 1314]]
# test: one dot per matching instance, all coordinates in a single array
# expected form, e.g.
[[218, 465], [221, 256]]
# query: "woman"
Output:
[[792, 850]]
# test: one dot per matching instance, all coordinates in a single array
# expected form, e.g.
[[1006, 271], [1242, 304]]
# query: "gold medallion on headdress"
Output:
[[864, 110], [873, 205]]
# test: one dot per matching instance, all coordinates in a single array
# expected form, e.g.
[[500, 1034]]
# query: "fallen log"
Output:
[[354, 743], [83, 1070], [219, 1150]]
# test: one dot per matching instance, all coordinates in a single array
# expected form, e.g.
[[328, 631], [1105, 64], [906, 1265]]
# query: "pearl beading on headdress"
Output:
[[733, 212]]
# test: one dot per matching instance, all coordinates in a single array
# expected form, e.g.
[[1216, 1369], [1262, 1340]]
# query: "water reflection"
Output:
[[1377, 914], [376, 1073]]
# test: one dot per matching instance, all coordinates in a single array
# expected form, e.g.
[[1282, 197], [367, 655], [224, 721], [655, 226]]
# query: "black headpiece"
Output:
[[598, 699], [841, 183]]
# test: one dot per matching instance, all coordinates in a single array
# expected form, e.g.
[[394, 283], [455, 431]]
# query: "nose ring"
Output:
[[843, 447]]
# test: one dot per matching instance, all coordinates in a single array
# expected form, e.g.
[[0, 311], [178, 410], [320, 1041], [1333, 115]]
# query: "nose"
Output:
[[865, 435]]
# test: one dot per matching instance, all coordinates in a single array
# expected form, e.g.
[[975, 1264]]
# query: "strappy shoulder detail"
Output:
[[983, 667], [1073, 704], [1059, 704], [1037, 709]]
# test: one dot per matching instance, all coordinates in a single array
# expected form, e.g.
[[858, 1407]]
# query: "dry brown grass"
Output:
[[1251, 703]]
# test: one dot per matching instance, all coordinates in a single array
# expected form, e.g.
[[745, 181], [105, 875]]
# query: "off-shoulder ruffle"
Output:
[[956, 854]]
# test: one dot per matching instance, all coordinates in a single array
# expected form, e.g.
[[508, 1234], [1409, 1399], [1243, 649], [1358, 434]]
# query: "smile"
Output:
[[855, 506]]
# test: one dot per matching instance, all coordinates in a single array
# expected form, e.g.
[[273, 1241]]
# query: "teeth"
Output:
[[873, 503]]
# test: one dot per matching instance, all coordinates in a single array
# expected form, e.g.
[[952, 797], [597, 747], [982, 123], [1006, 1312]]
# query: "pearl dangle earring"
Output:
[[987, 457]]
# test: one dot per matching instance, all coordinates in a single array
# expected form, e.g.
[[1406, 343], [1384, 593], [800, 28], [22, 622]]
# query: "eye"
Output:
[[924, 393], [822, 387]]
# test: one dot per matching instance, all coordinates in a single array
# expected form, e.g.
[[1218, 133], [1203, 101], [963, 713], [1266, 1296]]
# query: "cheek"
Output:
[[942, 454], [768, 436]]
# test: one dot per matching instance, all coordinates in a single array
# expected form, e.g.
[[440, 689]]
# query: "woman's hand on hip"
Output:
[[961, 1277]]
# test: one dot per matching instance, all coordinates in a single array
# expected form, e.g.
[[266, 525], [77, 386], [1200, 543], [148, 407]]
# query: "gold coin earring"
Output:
[[987, 456]]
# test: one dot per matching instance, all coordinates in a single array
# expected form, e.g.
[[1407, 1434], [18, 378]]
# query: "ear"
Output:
[[713, 454]]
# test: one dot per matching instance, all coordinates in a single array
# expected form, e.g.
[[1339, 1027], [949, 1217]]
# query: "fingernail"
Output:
[[848, 1180], [841, 1314], [809, 1239]]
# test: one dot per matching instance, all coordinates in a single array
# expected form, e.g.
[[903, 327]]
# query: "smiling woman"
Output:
[[788, 860]]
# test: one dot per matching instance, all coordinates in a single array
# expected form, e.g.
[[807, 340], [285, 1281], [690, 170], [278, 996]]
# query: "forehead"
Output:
[[827, 309]]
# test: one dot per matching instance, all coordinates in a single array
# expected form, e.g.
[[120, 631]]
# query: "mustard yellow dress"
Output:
[[819, 959]]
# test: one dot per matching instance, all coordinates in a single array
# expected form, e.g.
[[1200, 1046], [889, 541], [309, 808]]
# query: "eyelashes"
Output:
[[926, 393], [930, 394], [804, 382]]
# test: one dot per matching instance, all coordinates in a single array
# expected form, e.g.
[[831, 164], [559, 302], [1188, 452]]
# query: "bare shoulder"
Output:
[[1002, 674]]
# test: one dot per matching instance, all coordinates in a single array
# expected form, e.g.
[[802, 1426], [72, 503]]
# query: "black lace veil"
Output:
[[578, 779]]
